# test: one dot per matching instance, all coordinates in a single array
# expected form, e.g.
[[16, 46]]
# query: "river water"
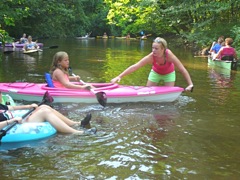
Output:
[[195, 137]]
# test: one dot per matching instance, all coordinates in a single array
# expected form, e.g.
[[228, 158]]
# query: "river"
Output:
[[195, 137]]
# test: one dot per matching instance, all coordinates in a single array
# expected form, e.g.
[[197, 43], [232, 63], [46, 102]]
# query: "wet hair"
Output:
[[58, 57], [229, 41]]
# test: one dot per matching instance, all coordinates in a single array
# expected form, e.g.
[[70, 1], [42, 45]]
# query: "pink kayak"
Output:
[[115, 93]]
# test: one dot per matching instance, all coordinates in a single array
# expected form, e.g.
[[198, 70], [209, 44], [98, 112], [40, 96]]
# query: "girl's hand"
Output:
[[116, 79], [189, 88], [34, 105], [77, 78], [88, 86], [18, 119]]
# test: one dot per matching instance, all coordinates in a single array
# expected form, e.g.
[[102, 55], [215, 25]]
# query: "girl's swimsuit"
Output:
[[57, 84], [31, 46], [4, 113], [163, 69]]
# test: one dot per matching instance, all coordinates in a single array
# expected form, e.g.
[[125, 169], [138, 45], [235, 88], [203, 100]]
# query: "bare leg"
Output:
[[169, 83], [59, 115], [57, 120], [150, 83]]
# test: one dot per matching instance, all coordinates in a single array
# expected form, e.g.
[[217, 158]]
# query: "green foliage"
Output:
[[198, 21], [130, 16], [54, 18], [4, 37], [236, 33]]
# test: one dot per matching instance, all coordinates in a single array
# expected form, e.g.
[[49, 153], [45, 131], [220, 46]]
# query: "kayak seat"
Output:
[[227, 58], [48, 79]]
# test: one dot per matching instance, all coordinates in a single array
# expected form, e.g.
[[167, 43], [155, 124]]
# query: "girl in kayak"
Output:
[[60, 75], [163, 66], [30, 45]]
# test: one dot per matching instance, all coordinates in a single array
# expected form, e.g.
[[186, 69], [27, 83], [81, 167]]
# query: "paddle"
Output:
[[8, 52], [50, 47], [101, 96], [203, 56], [46, 98]]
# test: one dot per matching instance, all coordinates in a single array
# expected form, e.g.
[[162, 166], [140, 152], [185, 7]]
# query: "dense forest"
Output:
[[197, 21]]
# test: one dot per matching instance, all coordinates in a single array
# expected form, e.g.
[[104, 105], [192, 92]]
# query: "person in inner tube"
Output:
[[43, 113]]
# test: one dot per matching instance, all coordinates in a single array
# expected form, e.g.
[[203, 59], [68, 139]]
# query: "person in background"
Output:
[[87, 35], [128, 36], [60, 76], [216, 46], [163, 66], [105, 35], [23, 39], [30, 45], [44, 113], [227, 50]]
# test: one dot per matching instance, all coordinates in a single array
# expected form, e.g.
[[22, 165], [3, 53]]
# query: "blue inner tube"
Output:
[[26, 131], [29, 132]]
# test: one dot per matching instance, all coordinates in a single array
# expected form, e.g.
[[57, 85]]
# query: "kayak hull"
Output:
[[115, 93], [231, 65], [18, 45]]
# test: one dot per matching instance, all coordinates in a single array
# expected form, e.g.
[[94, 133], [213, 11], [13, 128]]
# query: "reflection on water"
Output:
[[195, 137], [221, 79]]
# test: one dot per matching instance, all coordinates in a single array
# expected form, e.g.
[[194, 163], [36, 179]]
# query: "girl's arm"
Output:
[[182, 70], [146, 60], [59, 76], [10, 121], [218, 54], [11, 108]]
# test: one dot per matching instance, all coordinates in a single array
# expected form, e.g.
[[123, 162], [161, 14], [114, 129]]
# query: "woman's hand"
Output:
[[116, 79], [189, 88]]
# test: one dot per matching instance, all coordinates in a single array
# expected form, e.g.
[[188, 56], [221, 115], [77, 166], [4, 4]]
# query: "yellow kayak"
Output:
[[32, 51]]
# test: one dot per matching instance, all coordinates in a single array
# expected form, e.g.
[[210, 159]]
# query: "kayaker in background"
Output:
[[227, 50], [216, 46], [30, 45], [163, 62], [105, 35], [44, 113], [60, 75], [23, 39]]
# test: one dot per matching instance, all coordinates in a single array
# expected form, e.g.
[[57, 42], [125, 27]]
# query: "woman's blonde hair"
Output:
[[58, 57], [161, 41]]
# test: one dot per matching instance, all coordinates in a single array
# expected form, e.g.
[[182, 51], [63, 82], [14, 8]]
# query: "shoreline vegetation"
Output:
[[197, 24]]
